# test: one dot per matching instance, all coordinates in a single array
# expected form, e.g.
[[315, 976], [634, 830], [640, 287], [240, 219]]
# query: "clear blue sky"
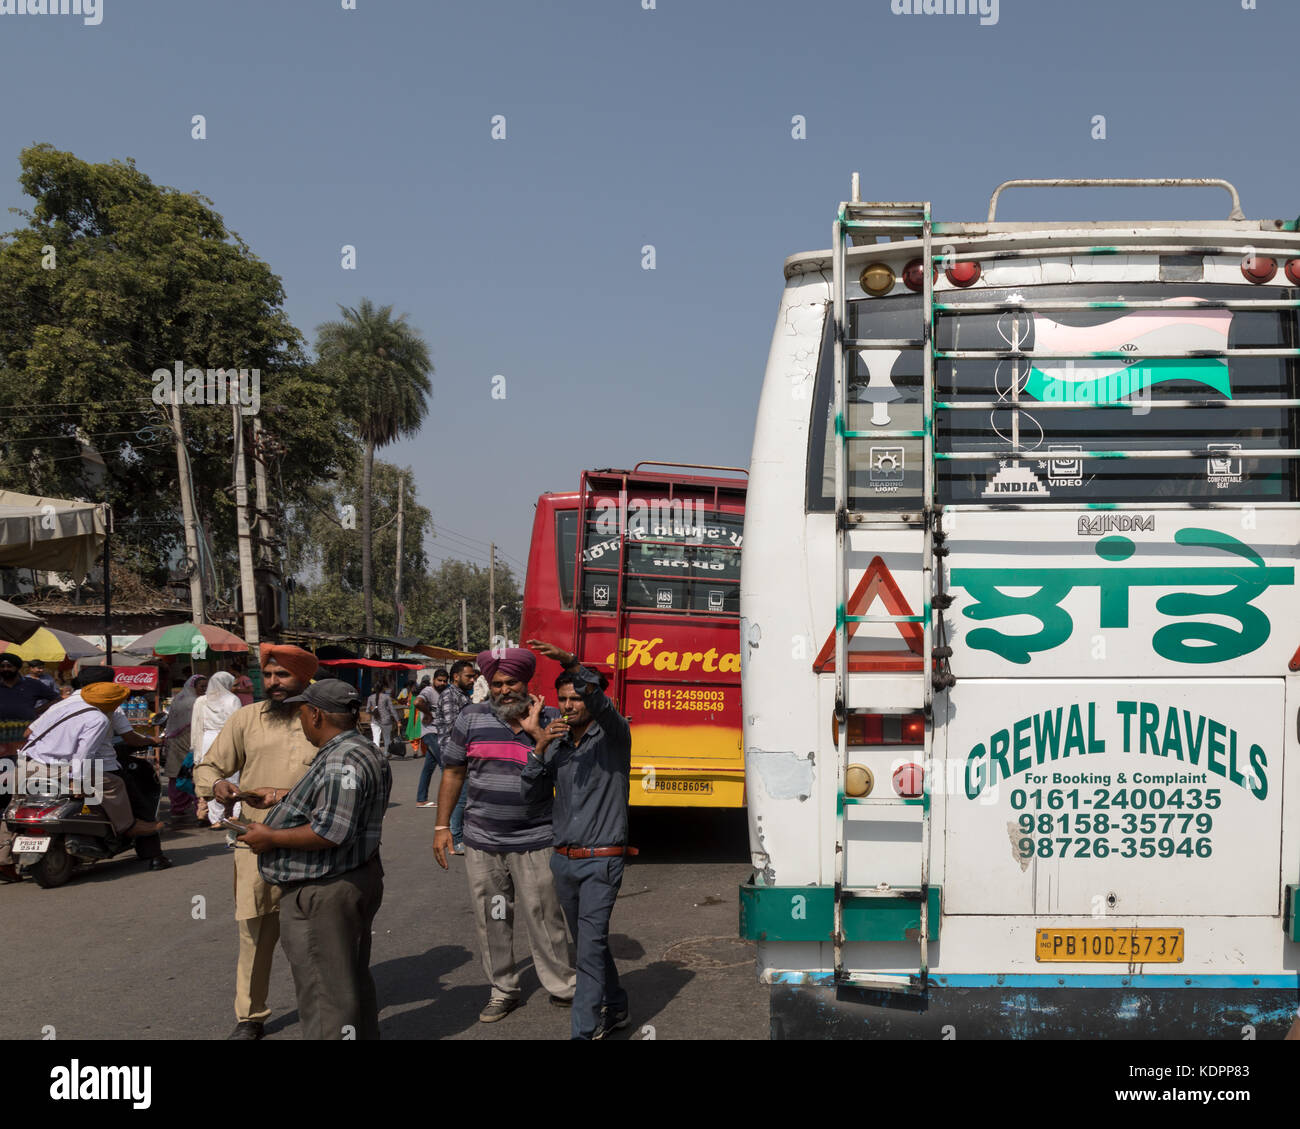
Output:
[[624, 127]]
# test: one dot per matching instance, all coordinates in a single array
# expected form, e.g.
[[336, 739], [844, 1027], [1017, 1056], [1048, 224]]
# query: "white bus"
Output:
[[1019, 629]]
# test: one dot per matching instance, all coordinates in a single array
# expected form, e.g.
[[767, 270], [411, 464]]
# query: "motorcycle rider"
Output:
[[71, 735]]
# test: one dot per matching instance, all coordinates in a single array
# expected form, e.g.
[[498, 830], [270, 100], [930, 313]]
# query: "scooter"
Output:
[[57, 835]]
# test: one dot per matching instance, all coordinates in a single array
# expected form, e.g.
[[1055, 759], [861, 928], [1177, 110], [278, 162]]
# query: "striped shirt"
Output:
[[343, 797], [497, 817]]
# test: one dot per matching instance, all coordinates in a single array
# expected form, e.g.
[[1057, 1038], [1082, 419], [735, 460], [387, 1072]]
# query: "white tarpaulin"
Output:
[[50, 533]]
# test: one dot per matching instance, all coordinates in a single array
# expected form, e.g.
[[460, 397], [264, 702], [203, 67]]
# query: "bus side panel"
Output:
[[777, 646]]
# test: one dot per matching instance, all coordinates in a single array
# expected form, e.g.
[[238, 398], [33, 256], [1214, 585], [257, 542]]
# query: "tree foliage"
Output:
[[112, 278]]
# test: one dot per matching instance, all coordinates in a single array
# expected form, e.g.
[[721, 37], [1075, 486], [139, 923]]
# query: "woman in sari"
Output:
[[211, 712], [176, 747]]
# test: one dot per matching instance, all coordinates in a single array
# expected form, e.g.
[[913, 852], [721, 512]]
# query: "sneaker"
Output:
[[458, 849], [427, 804], [610, 1022], [561, 1001], [497, 1009]]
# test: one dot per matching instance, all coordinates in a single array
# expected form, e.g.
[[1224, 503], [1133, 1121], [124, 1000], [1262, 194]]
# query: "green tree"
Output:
[[380, 367], [112, 278], [324, 553], [434, 607]]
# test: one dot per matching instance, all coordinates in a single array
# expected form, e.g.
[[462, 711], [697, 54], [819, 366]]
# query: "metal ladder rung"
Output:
[[908, 983], [885, 619], [900, 893], [870, 520], [881, 801], [884, 434], [865, 344]]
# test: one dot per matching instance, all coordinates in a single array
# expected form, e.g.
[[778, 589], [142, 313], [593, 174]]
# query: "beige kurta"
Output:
[[267, 753]]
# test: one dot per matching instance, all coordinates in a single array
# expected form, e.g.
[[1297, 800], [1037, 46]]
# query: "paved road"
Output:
[[124, 953]]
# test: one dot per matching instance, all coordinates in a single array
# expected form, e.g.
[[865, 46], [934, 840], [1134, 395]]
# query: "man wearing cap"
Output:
[[507, 838], [320, 847], [585, 757], [72, 735], [264, 743]]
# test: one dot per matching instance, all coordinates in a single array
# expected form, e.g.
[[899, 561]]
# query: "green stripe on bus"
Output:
[[807, 913]]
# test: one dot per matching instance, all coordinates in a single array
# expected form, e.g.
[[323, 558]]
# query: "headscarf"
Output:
[[301, 664], [214, 708], [178, 716], [517, 662], [107, 696]]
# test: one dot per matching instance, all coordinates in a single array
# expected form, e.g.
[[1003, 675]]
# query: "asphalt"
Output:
[[124, 953]]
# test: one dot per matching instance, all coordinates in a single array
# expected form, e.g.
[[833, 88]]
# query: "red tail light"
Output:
[[963, 274], [33, 812], [1259, 269], [914, 275], [883, 729], [909, 781]]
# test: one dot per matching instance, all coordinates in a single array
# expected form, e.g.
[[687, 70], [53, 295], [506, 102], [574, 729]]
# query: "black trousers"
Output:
[[143, 789]]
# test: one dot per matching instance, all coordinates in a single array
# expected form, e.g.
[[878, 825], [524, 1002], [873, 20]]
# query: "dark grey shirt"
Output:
[[590, 778]]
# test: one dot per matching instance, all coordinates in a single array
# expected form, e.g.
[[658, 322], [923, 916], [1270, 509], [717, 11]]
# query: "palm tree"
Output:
[[380, 366]]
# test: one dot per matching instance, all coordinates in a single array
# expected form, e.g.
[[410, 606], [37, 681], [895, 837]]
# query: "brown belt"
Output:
[[594, 852]]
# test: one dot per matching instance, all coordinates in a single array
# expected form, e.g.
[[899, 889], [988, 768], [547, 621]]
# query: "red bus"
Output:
[[654, 558]]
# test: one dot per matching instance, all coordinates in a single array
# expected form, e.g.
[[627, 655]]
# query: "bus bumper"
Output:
[[1235, 1008]]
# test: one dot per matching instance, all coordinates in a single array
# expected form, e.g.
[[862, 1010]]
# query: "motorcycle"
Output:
[[57, 833]]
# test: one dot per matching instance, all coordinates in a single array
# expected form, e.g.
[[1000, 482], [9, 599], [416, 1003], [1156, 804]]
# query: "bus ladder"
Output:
[[864, 222]]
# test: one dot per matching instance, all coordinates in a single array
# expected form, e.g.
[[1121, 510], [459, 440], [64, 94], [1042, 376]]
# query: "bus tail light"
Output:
[[1293, 271], [858, 781], [882, 729], [1259, 269], [963, 274], [909, 781], [914, 275]]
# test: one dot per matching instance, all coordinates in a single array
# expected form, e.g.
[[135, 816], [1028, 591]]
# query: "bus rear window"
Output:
[[566, 550], [885, 391], [690, 568]]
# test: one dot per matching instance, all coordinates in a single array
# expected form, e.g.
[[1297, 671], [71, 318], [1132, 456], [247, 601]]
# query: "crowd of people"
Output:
[[535, 799]]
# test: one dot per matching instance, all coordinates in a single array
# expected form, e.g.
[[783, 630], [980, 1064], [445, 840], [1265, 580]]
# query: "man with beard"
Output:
[[507, 839], [264, 743]]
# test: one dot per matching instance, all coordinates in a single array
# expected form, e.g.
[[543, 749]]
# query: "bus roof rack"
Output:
[[1117, 182]]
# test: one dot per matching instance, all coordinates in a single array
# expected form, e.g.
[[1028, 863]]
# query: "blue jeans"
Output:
[[587, 889], [426, 773], [457, 820]]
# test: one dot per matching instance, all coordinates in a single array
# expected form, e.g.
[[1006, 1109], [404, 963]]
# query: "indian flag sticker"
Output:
[[1141, 334]]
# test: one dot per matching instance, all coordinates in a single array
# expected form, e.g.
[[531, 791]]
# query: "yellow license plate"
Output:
[[1110, 946], [682, 787]]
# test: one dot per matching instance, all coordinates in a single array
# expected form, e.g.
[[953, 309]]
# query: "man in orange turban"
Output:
[[301, 664]]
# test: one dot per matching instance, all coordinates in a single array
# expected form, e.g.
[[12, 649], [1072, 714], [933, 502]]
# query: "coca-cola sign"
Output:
[[136, 677]]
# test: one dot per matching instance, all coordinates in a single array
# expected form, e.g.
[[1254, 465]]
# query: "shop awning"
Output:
[[375, 663], [50, 533]]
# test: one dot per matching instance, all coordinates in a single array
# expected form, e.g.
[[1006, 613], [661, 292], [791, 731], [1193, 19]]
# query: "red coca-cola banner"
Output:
[[136, 677]]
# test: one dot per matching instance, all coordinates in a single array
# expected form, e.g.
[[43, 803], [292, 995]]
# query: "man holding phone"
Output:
[[320, 846], [585, 757]]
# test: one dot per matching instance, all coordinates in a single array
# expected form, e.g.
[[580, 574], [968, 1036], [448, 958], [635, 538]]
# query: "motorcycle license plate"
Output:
[[31, 844]]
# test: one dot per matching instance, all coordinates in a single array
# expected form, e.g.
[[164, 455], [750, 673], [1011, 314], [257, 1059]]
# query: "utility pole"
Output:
[[398, 610], [187, 512], [464, 629], [264, 555], [247, 585], [492, 594]]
